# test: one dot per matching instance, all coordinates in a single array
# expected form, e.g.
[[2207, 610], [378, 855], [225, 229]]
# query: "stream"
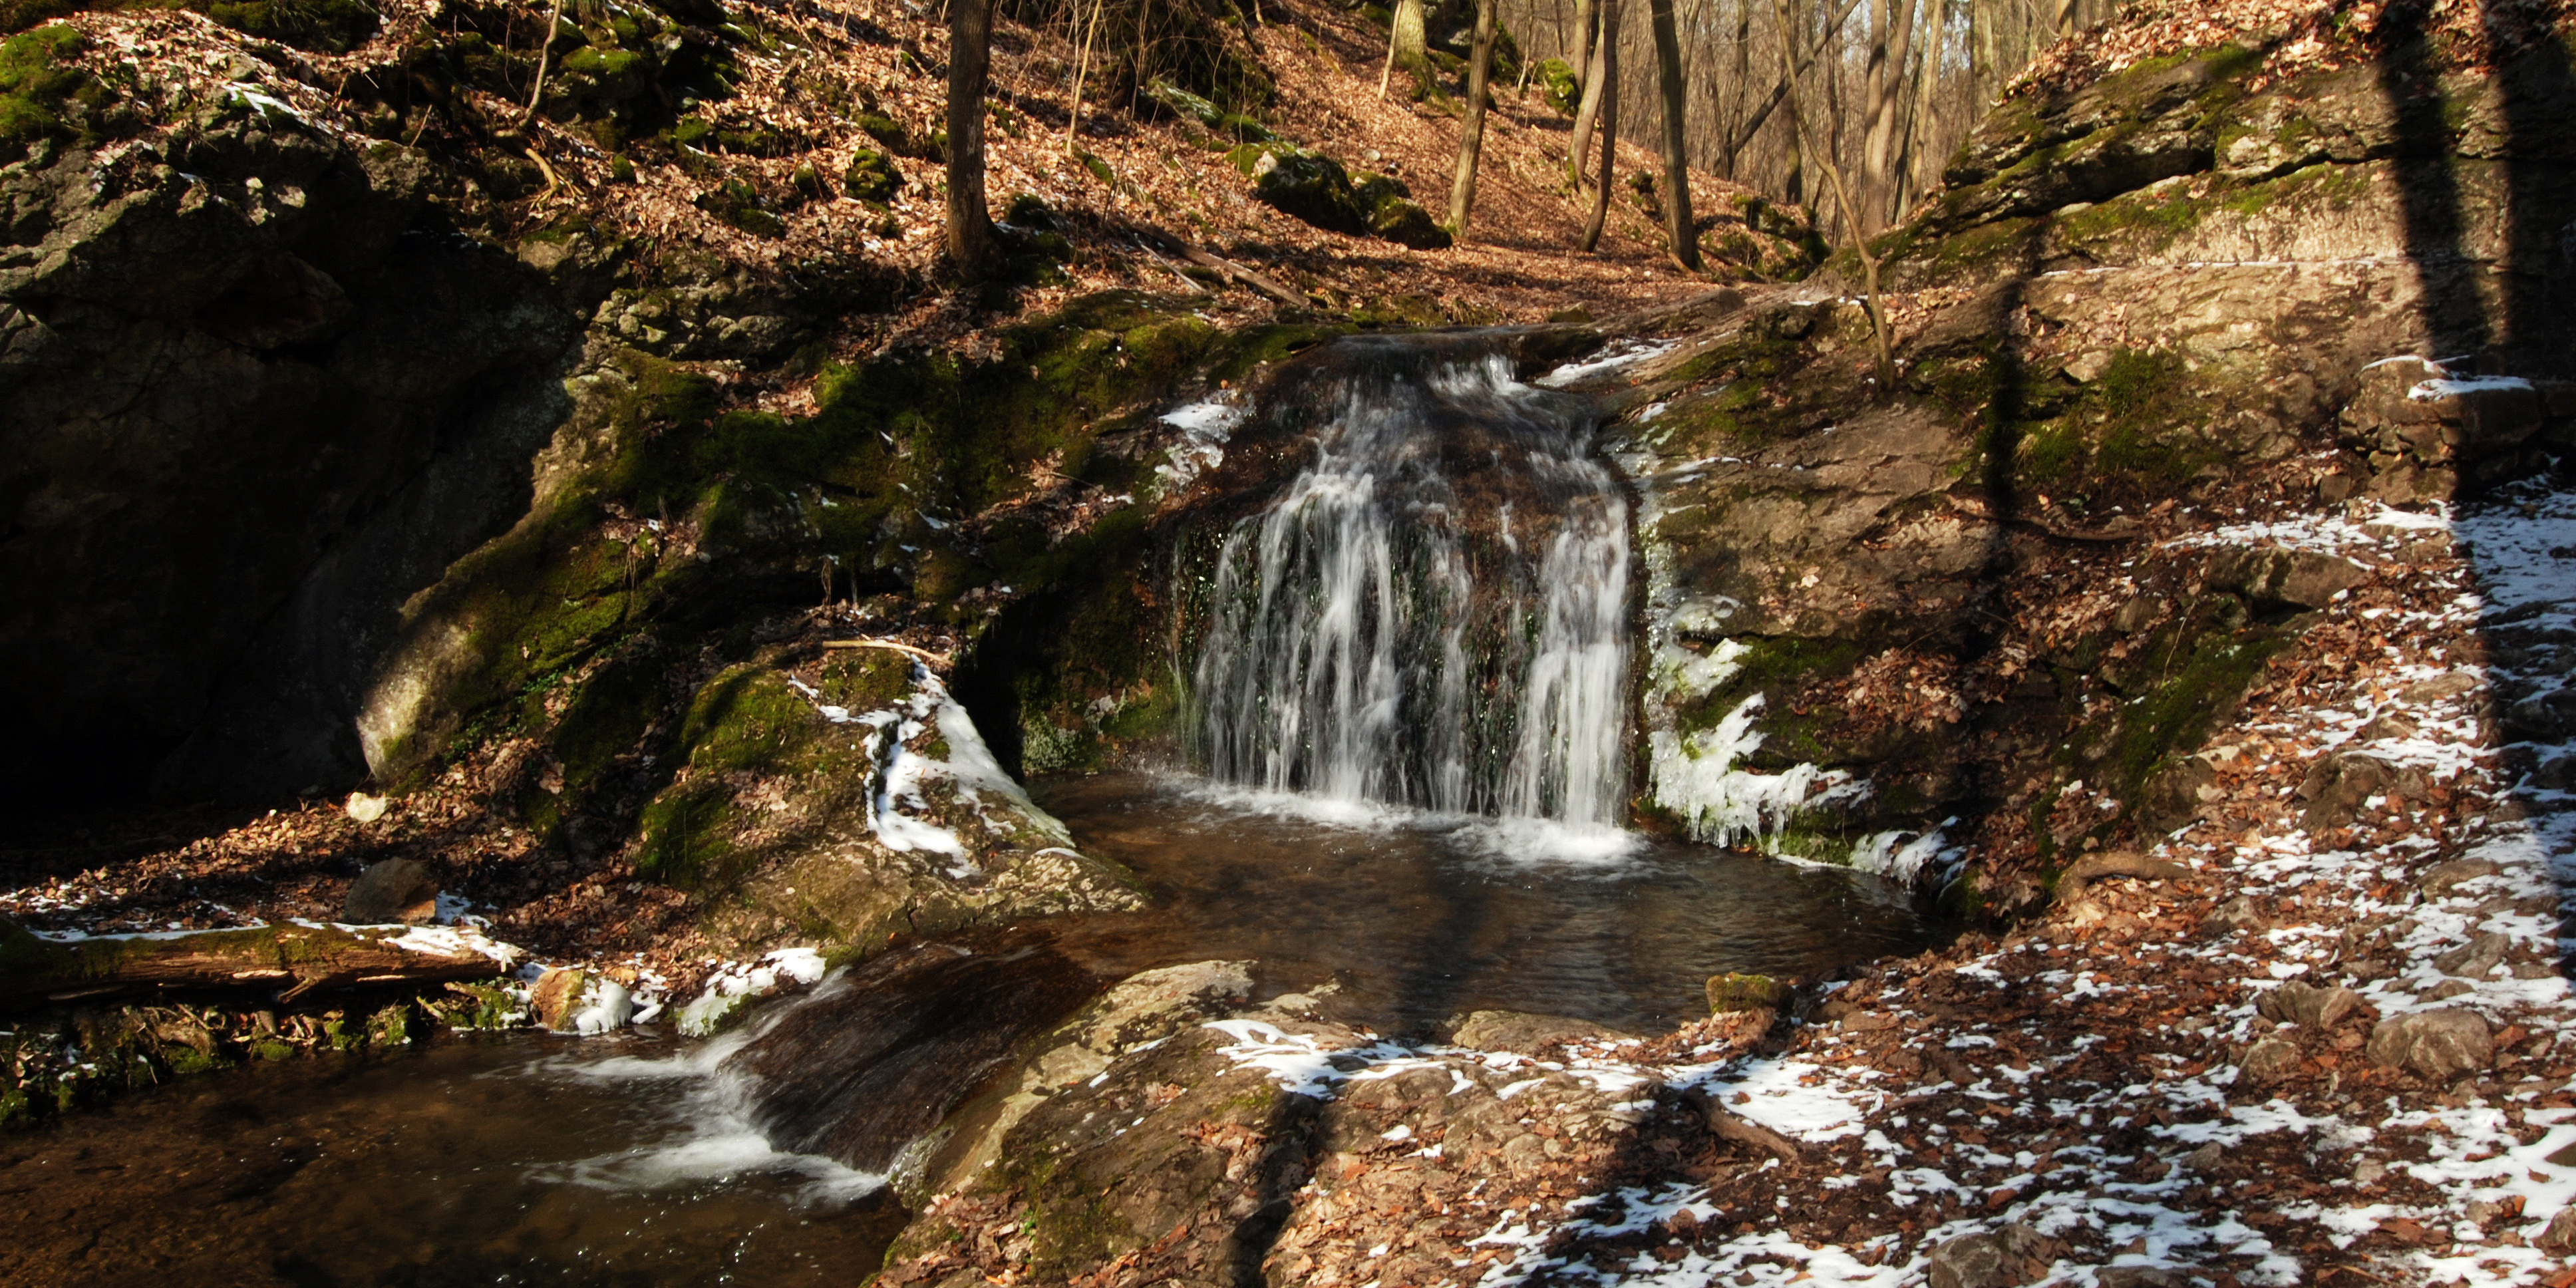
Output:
[[1412, 681]]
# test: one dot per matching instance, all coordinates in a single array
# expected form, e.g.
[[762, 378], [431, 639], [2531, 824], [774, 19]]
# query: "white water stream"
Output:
[[1433, 614]]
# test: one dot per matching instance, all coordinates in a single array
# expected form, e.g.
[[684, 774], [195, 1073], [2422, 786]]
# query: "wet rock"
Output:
[[394, 890], [2309, 1006], [1734, 992], [1972, 1261], [556, 995], [2438, 1044], [2475, 959], [1526, 1033], [2270, 1059]]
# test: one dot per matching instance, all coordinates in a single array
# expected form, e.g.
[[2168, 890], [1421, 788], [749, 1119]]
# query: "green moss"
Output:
[[336, 26], [41, 96]]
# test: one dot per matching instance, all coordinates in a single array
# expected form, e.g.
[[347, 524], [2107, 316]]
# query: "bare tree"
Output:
[[1678, 223], [971, 242], [1609, 125], [1407, 42], [1890, 52], [1587, 115], [1471, 137], [1885, 351]]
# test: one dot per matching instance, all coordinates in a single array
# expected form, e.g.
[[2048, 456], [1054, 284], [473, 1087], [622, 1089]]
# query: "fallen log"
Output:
[[296, 957], [2115, 863], [1228, 269], [1726, 1124]]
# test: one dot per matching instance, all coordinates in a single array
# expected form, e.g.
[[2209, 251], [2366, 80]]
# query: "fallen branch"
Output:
[[296, 956], [1728, 1125], [935, 659], [1230, 269]]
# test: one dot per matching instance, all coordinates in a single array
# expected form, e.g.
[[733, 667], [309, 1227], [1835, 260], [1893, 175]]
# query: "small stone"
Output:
[[1733, 992], [557, 992], [2270, 1060], [394, 890], [2238, 913], [2475, 959], [2206, 1158], [2560, 1234], [363, 808], [2308, 1006], [2442, 878], [2437, 1044], [1970, 1261], [2450, 685], [2369, 1172], [2140, 1277]]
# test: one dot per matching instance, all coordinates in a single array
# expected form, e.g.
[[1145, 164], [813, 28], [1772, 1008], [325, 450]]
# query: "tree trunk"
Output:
[[1609, 125], [1406, 43], [1878, 325], [1736, 134], [1587, 116], [1579, 57], [1471, 138], [971, 241], [1918, 160], [1678, 223], [294, 957], [1878, 149]]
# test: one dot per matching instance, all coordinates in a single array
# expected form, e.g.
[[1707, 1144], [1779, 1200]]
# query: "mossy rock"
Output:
[[739, 204], [1733, 992], [1394, 216], [1309, 186], [42, 97], [871, 178], [1560, 86]]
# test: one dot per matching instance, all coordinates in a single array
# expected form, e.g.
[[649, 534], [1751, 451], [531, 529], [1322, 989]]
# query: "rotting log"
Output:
[[295, 957]]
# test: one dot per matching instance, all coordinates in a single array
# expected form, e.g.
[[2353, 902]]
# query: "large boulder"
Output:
[[252, 399]]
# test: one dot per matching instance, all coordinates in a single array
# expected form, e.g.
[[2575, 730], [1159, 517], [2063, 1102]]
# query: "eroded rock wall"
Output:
[[252, 398]]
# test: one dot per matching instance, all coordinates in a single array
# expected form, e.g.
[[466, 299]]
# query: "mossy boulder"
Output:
[[1394, 216], [1308, 185], [870, 177], [1733, 992]]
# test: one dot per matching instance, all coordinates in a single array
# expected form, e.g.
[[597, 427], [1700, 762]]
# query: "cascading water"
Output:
[[1434, 613]]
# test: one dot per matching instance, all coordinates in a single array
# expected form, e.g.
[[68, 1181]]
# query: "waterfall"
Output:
[[1433, 613]]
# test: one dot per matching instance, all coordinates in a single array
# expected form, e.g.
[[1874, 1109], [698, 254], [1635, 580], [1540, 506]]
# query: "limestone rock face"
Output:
[[249, 402]]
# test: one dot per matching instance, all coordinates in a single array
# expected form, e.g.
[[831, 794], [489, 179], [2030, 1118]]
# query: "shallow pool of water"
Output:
[[631, 1160], [1419, 917]]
